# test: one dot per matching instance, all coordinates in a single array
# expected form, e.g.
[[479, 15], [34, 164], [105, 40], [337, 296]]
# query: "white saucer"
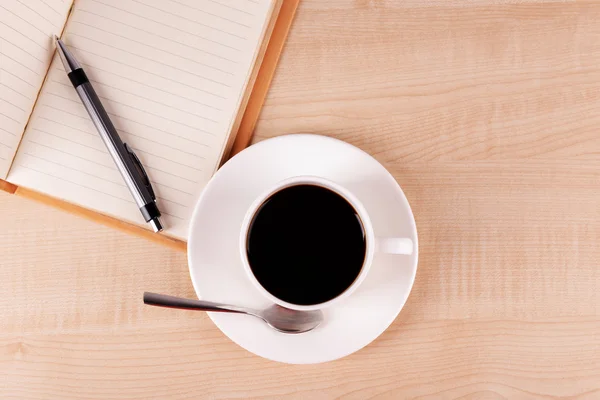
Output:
[[215, 263]]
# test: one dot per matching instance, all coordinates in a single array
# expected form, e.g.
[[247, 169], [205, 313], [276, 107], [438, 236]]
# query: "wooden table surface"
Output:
[[487, 112]]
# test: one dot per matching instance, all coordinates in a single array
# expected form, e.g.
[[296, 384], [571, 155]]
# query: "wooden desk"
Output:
[[487, 113]]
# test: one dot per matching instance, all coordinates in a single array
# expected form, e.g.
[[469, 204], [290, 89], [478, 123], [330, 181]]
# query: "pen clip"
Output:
[[141, 170]]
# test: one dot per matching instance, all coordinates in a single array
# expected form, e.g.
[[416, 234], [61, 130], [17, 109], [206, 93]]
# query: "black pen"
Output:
[[127, 162]]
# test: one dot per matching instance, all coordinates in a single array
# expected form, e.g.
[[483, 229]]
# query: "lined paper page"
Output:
[[26, 28], [171, 75]]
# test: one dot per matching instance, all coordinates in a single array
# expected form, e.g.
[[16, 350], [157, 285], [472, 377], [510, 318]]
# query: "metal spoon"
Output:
[[279, 318]]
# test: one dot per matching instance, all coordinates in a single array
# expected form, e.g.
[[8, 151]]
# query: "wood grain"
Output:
[[487, 114]]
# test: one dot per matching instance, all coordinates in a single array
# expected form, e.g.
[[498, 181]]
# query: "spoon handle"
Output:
[[163, 300]]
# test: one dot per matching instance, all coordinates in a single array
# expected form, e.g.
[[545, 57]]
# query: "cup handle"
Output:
[[391, 245]]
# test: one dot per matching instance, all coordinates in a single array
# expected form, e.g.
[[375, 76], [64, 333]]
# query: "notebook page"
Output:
[[26, 29], [171, 75]]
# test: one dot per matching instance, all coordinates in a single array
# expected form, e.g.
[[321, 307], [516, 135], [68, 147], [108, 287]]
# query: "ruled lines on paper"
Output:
[[170, 74], [26, 27]]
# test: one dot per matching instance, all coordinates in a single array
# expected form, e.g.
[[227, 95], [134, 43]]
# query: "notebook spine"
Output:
[[7, 187]]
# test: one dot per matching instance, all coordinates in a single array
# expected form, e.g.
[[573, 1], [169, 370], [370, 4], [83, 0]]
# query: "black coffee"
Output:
[[306, 244]]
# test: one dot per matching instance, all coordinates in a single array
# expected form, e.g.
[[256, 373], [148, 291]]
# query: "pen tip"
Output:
[[155, 224]]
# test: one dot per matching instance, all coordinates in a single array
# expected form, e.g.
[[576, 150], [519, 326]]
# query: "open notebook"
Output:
[[174, 75]]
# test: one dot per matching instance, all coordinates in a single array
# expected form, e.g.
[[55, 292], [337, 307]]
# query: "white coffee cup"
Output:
[[389, 245]]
